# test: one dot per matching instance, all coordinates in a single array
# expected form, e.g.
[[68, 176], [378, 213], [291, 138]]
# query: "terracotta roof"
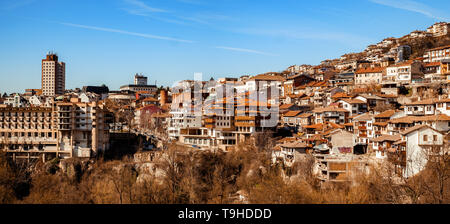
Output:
[[386, 114], [295, 95], [267, 78], [295, 145], [403, 120], [329, 109], [370, 70], [353, 101], [286, 106], [423, 102], [334, 125], [412, 129], [439, 117], [304, 115], [383, 124], [340, 95], [365, 117], [292, 113], [315, 126], [387, 138]]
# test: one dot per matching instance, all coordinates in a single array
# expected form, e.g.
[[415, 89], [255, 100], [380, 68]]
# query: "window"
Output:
[[425, 138], [435, 138]]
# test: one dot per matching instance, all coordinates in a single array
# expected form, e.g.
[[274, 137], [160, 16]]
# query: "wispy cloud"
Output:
[[150, 36], [412, 6], [245, 50], [140, 8]]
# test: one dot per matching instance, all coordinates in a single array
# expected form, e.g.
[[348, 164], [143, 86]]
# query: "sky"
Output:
[[108, 41]]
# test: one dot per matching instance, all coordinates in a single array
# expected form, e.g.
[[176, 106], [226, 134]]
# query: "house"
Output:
[[354, 106], [439, 29], [295, 81], [264, 81], [330, 114], [433, 72], [290, 118], [383, 143], [304, 119], [443, 106], [415, 148], [381, 122], [369, 76], [399, 124], [339, 96], [342, 142], [364, 130], [405, 72], [440, 122], [150, 101], [421, 107]]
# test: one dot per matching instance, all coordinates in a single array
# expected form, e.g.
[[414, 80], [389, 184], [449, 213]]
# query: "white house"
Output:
[[418, 141]]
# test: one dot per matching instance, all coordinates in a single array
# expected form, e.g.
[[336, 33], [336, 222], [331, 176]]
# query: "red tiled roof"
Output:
[[370, 70], [267, 78], [340, 95], [386, 114], [292, 113]]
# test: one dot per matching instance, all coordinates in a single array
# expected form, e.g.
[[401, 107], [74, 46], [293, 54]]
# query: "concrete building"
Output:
[[140, 84], [439, 29], [404, 73], [64, 130], [53, 76], [140, 80], [437, 54]]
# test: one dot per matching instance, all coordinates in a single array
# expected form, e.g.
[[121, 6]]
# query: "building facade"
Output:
[[53, 76]]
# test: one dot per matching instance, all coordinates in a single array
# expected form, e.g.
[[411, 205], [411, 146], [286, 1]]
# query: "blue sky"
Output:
[[107, 41]]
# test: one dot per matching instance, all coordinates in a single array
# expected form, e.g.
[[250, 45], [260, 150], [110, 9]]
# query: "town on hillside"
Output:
[[387, 104]]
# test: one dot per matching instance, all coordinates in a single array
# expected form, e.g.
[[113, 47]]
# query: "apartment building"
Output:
[[437, 54], [53, 76], [65, 130], [404, 73], [140, 84], [439, 29]]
